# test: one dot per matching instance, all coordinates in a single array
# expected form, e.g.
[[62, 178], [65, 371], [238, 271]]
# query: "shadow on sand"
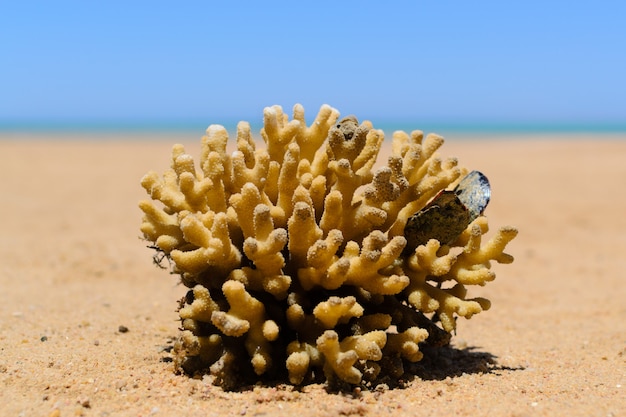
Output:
[[444, 362]]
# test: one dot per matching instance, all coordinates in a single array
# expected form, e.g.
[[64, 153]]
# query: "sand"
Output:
[[86, 319]]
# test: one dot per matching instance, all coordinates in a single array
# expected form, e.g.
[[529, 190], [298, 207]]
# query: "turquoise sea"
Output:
[[197, 127]]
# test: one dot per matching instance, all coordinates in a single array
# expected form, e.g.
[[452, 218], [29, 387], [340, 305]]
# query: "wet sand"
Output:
[[86, 319]]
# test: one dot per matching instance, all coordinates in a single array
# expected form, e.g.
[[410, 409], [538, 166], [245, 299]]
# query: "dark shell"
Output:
[[474, 192], [449, 213]]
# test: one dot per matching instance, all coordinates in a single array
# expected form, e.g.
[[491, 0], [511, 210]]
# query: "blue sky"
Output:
[[480, 61]]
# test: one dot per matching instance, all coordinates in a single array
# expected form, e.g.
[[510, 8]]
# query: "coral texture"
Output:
[[296, 256]]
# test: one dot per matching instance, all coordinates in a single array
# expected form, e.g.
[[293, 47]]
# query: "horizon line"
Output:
[[168, 126]]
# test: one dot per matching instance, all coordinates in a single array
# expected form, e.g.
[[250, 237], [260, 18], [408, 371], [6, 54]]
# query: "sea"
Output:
[[195, 128]]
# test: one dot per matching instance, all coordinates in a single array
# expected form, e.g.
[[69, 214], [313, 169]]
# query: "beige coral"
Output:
[[337, 310], [432, 263], [296, 250], [247, 316], [341, 356]]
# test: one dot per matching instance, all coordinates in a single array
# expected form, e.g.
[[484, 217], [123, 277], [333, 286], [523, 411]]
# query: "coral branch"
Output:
[[340, 357], [337, 310], [247, 315]]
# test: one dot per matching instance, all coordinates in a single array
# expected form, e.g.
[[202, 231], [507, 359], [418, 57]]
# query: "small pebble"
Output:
[[84, 401], [122, 329], [120, 384]]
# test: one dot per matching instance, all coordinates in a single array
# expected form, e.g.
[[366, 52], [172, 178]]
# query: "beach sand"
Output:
[[86, 319]]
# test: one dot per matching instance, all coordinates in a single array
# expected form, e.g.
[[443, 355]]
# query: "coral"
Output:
[[305, 262]]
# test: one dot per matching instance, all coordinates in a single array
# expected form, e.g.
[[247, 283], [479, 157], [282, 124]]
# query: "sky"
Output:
[[156, 61]]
